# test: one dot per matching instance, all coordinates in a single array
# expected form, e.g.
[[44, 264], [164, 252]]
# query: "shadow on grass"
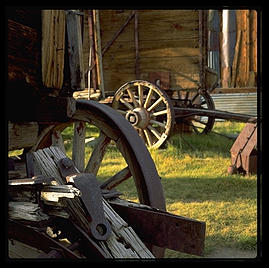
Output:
[[204, 189]]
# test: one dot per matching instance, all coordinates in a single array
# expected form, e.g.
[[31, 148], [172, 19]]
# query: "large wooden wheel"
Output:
[[147, 108], [114, 131]]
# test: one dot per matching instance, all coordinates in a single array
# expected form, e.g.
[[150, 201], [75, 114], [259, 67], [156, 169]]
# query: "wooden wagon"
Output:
[[154, 73], [153, 67], [54, 198]]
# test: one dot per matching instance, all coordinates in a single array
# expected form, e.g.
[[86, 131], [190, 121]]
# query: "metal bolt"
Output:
[[67, 163]]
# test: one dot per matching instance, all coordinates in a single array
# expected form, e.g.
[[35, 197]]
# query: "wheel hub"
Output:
[[139, 117]]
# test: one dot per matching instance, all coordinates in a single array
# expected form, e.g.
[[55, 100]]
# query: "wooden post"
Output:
[[77, 81], [137, 72], [75, 50], [203, 46], [92, 49], [98, 52]]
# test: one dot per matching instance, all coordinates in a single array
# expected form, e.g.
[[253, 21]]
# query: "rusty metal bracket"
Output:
[[91, 197]]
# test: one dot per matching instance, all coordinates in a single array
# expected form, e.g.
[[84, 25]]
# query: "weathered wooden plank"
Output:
[[153, 34], [27, 211], [75, 50], [97, 154], [22, 135], [177, 80], [112, 246], [98, 51], [19, 250], [173, 64], [53, 47]]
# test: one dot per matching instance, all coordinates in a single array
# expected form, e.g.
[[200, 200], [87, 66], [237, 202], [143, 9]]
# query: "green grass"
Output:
[[196, 185]]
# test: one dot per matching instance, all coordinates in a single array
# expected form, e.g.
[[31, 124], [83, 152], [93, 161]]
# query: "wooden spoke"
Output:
[[97, 154], [127, 104], [148, 137], [78, 153], [148, 99], [160, 113], [202, 100], [131, 94], [156, 103], [186, 96], [118, 178], [154, 131], [57, 140], [140, 95], [158, 123], [194, 97], [200, 122]]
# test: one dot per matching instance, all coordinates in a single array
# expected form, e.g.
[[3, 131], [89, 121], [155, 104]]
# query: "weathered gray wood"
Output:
[[118, 178], [98, 51], [57, 140], [22, 135], [19, 250], [97, 154], [54, 193], [26, 211], [75, 50], [78, 150], [47, 159]]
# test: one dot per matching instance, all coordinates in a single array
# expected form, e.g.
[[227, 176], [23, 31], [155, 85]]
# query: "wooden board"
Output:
[[53, 47], [22, 135]]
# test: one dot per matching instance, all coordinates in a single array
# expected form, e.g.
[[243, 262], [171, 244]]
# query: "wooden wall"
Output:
[[168, 42]]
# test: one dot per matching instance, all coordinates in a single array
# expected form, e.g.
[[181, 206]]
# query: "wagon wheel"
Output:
[[116, 132], [200, 100], [148, 109]]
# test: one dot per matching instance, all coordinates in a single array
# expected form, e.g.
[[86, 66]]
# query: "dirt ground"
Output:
[[224, 252]]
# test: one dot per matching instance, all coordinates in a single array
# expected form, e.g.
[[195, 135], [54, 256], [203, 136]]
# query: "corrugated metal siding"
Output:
[[243, 103]]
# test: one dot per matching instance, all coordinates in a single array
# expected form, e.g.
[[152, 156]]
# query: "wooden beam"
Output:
[[21, 135], [75, 50], [203, 46], [137, 72], [92, 68], [98, 52], [53, 47]]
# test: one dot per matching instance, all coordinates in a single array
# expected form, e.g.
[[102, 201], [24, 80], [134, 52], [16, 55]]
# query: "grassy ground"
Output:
[[193, 170], [196, 184]]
